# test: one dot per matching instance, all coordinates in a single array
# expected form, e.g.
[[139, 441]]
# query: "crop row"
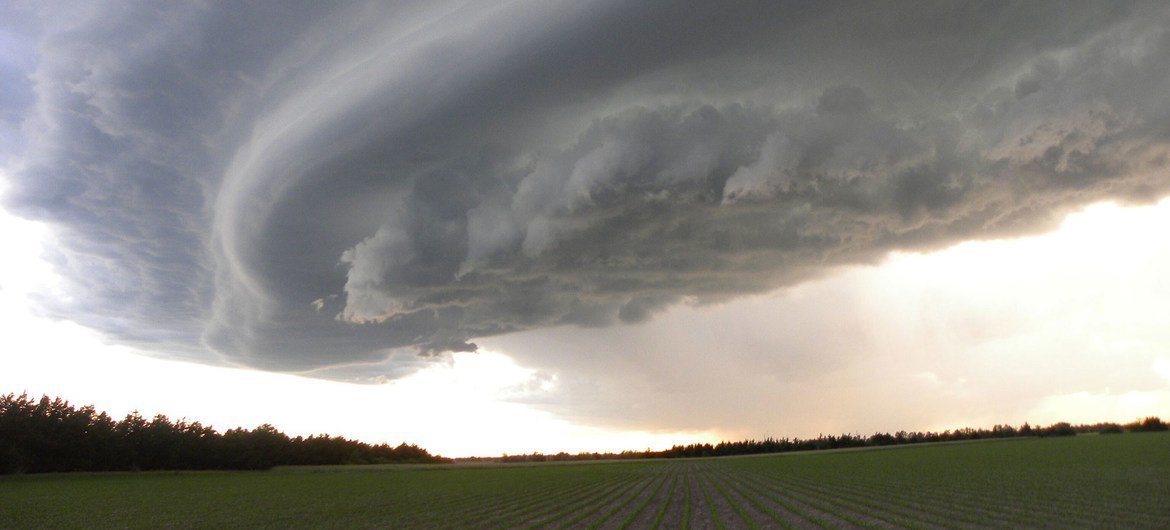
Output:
[[1086, 481], [757, 493]]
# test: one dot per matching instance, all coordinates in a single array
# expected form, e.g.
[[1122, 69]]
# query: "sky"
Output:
[[514, 226]]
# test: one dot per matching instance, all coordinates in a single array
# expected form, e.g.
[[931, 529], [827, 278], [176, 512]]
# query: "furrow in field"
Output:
[[496, 513], [817, 515], [902, 509], [688, 500], [507, 515], [726, 510], [615, 515], [952, 510], [484, 508], [1097, 508], [428, 513], [670, 503], [1034, 507], [886, 507], [924, 505], [701, 514], [553, 512], [1020, 509], [875, 512], [784, 514], [645, 507], [748, 516], [824, 515], [752, 507], [827, 505], [544, 512], [581, 513], [978, 506], [716, 511]]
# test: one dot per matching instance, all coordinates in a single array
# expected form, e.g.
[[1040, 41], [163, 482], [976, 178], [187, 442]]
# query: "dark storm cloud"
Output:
[[300, 187]]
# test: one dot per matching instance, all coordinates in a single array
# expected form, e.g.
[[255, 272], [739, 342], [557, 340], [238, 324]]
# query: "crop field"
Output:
[[1088, 480]]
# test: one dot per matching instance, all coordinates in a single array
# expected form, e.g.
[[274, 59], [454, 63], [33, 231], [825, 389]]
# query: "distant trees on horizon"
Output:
[[843, 441], [50, 435]]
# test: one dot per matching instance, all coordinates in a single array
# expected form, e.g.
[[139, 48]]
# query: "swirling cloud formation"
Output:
[[302, 185]]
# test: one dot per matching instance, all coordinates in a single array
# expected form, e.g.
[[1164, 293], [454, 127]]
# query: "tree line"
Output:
[[843, 441], [50, 435]]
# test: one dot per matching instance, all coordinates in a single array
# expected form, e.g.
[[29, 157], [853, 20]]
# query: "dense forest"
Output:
[[784, 445], [48, 435]]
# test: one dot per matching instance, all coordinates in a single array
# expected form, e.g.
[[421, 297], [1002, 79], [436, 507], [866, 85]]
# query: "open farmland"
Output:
[[1089, 480]]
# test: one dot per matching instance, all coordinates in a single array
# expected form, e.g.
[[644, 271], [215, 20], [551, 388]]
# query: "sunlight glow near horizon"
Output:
[[1091, 294], [474, 404]]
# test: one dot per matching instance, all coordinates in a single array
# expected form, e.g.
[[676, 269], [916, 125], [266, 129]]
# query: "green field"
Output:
[[1088, 480]]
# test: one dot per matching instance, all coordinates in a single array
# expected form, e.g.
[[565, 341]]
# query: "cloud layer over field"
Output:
[[310, 186]]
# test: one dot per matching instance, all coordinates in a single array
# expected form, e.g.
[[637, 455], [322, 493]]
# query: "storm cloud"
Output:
[[304, 186]]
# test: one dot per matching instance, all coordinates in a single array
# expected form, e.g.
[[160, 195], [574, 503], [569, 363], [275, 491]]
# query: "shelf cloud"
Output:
[[310, 185]]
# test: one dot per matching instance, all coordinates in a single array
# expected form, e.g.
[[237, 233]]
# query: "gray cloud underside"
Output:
[[298, 187]]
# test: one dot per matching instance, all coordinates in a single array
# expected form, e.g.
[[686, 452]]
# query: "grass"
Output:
[[1113, 481]]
